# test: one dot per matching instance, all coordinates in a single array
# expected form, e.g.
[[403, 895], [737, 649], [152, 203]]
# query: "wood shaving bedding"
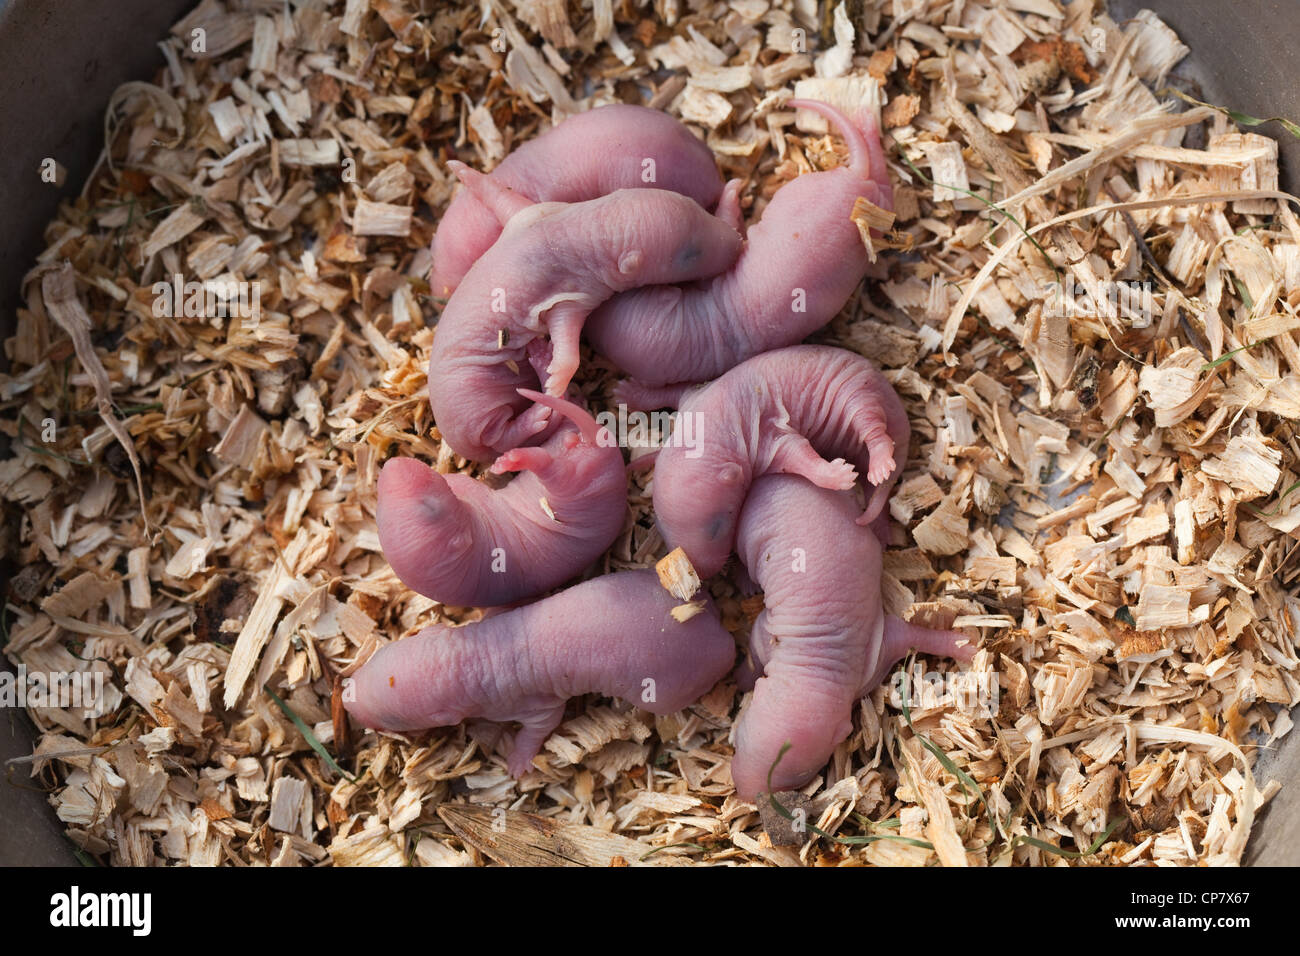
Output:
[[1101, 483]]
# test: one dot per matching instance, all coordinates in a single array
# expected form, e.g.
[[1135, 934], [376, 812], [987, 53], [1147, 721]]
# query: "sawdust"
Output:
[[1101, 481]]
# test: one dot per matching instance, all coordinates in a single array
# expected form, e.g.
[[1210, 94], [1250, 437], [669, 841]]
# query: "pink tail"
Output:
[[728, 209], [901, 638], [587, 425], [502, 201], [866, 156]]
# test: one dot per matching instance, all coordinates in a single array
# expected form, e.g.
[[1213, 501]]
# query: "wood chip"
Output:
[[677, 575], [381, 219]]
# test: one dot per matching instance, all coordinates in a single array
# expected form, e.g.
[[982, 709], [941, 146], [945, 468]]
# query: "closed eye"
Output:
[[689, 254]]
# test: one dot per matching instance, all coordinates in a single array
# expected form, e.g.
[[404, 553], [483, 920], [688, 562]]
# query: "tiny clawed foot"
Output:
[[880, 470], [839, 475]]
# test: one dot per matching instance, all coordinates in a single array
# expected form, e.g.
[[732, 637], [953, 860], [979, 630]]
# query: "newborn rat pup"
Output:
[[585, 157], [822, 641], [614, 635], [786, 412], [462, 543], [521, 308], [800, 264]]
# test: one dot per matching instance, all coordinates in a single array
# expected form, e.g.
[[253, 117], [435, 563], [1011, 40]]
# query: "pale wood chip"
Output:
[[381, 219], [678, 575]]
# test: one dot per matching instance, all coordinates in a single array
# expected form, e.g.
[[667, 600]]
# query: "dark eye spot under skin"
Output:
[[718, 525], [689, 254]]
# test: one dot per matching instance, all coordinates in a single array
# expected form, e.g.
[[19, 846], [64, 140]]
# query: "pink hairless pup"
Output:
[[456, 540], [786, 411], [613, 635], [822, 641], [585, 157], [799, 266], [520, 311]]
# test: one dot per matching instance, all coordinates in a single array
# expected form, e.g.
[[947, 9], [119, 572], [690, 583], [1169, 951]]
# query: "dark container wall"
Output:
[[59, 62], [1242, 56]]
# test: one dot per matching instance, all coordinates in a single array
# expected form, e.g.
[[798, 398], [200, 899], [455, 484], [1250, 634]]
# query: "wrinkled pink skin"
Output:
[[786, 412], [822, 641], [552, 265], [448, 537], [606, 636], [822, 412], [585, 157], [804, 241]]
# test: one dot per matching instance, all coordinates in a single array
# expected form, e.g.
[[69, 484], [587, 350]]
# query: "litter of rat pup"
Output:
[[1133, 598]]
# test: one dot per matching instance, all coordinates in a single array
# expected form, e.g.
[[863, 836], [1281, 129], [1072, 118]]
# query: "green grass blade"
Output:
[[1071, 854], [1228, 356], [1241, 119], [1281, 501], [308, 735], [84, 858], [966, 780], [835, 838], [992, 205], [1244, 293]]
